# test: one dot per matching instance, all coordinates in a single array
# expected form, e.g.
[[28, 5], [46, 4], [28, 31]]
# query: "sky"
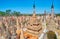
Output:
[[26, 6]]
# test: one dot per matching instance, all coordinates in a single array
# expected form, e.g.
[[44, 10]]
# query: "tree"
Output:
[[57, 14], [51, 35], [16, 13], [2, 13], [8, 12]]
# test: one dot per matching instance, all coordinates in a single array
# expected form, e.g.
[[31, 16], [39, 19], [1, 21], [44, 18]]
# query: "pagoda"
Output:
[[34, 26]]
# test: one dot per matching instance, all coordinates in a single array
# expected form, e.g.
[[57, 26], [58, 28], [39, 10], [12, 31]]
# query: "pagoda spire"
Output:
[[17, 23], [44, 15], [52, 9], [34, 6], [52, 6]]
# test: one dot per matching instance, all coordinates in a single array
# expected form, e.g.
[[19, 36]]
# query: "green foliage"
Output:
[[8, 12], [51, 35], [15, 13], [2, 13], [58, 14]]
